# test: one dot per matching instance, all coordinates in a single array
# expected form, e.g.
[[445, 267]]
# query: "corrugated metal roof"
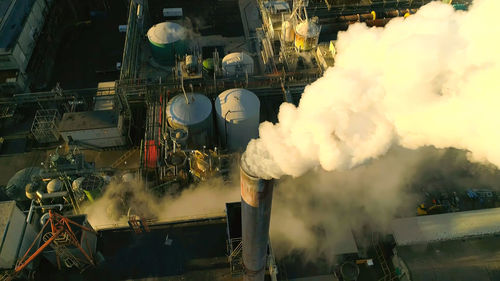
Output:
[[12, 19], [6, 212], [457, 260], [88, 120], [424, 229]]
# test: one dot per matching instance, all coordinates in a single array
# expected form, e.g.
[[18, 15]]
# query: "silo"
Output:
[[237, 64], [306, 35], [238, 113], [193, 114], [167, 39]]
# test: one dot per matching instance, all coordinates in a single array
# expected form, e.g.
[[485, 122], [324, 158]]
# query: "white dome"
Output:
[[77, 183], [166, 32], [179, 112], [238, 113], [307, 29], [235, 63], [242, 103], [54, 185]]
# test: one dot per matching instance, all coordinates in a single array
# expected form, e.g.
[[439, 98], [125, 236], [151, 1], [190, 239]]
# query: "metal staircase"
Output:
[[124, 157], [236, 258], [388, 274]]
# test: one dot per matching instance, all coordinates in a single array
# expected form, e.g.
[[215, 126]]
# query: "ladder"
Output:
[[137, 224], [124, 157], [388, 275]]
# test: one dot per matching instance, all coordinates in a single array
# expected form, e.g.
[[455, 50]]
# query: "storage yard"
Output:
[[123, 124]]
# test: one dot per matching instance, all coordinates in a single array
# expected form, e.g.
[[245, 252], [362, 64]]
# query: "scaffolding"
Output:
[[44, 126]]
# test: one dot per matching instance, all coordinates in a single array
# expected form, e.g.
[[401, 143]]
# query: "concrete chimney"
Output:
[[256, 201]]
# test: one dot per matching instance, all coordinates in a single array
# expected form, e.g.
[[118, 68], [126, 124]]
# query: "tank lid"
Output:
[[194, 112], [166, 32], [241, 103], [307, 28]]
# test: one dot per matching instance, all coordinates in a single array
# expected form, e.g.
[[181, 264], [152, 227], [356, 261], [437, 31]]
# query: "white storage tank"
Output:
[[237, 64], [193, 115], [306, 35], [77, 183], [238, 113], [54, 185]]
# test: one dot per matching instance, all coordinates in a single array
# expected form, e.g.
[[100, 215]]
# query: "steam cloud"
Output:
[[206, 198], [429, 79], [314, 213]]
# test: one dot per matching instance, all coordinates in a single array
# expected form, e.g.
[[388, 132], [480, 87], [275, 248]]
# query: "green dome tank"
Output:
[[167, 39]]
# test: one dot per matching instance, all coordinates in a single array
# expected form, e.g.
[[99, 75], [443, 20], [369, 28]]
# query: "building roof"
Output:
[[12, 17], [457, 260], [6, 211], [424, 229], [88, 120]]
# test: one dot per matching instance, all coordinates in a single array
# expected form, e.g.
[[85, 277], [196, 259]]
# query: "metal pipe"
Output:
[[256, 201]]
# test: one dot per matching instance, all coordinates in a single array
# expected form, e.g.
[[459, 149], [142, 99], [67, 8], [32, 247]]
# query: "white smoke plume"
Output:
[[429, 79], [314, 213], [203, 199]]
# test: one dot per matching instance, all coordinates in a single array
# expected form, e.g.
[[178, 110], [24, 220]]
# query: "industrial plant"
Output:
[[123, 131]]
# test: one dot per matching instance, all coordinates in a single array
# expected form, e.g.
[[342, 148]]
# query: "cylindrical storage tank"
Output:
[[54, 185], [16, 186], [306, 36], [193, 115], [77, 183], [238, 113], [287, 32], [237, 64], [167, 39], [256, 201]]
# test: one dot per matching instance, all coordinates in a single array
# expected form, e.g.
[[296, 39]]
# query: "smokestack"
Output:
[[256, 201]]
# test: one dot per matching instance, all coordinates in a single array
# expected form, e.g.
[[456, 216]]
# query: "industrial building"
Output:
[[21, 25], [454, 246], [173, 106]]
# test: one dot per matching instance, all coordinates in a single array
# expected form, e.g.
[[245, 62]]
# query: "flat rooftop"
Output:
[[12, 15], [425, 229], [194, 250], [88, 120], [471, 259]]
